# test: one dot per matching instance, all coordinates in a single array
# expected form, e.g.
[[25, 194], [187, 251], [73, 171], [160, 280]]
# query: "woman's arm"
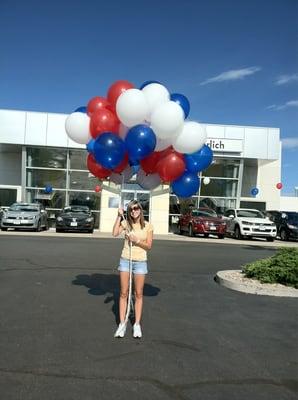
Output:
[[144, 244], [118, 228]]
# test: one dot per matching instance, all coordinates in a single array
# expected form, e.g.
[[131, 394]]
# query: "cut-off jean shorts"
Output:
[[138, 267]]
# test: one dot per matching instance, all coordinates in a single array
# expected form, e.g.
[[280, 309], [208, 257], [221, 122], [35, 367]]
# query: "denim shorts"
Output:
[[138, 267]]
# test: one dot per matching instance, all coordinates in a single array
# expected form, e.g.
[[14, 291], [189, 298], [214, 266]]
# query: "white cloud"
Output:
[[232, 75], [283, 79], [290, 143], [288, 104]]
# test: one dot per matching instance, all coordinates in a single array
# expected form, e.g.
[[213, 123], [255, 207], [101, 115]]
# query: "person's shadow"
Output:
[[108, 285]]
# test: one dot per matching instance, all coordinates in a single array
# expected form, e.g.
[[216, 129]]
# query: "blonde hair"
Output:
[[129, 217]]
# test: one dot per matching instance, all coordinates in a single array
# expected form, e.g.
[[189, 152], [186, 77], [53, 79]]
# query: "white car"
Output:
[[244, 222], [25, 216]]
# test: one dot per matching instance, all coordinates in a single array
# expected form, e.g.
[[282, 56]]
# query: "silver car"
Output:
[[25, 216]]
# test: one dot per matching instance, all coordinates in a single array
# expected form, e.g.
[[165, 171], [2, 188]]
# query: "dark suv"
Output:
[[286, 223]]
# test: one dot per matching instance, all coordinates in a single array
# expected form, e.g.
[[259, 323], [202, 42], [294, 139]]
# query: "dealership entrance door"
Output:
[[9, 195]]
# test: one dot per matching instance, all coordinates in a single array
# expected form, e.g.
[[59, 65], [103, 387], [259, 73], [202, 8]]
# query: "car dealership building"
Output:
[[35, 153]]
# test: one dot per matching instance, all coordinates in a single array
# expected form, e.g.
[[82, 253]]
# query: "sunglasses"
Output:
[[135, 208]]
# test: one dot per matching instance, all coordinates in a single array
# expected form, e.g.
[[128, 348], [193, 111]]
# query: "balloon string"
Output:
[[129, 300]]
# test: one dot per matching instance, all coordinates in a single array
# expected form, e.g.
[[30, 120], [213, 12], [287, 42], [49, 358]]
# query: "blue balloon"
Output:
[[199, 160], [254, 191], [147, 83], [140, 141], [48, 189], [182, 101], [187, 185], [82, 109], [90, 146], [109, 150]]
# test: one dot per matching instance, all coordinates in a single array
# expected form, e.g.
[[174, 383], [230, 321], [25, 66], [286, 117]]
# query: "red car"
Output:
[[202, 221]]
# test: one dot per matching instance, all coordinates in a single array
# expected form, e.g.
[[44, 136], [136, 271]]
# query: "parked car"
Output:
[[286, 223], [202, 221], [21, 215], [245, 222], [75, 218]]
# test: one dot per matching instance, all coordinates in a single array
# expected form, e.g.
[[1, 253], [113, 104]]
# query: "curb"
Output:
[[234, 280]]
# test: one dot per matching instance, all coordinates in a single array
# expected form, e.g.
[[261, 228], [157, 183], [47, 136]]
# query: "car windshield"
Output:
[[24, 208], [292, 218], [200, 213], [250, 214], [76, 209]]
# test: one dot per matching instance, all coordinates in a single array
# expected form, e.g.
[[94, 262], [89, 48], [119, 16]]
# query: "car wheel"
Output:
[[270, 239], [59, 230], [283, 235], [90, 231], [3, 229], [237, 233], [179, 229], [206, 235], [221, 236], [38, 228], [190, 231]]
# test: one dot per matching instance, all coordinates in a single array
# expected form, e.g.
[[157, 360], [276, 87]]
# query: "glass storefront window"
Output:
[[92, 200], [82, 181], [223, 168], [220, 188], [42, 177], [144, 200], [55, 200], [7, 197], [45, 157], [174, 207], [217, 204], [78, 159]]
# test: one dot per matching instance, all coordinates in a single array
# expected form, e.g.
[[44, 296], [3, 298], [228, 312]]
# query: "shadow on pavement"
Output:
[[108, 284]]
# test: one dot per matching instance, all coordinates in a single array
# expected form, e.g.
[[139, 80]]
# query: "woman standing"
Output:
[[138, 235]]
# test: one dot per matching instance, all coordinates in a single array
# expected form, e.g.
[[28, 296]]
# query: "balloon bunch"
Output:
[[142, 131]]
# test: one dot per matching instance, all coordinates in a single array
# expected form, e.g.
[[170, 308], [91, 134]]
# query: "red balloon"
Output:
[[149, 164], [97, 188], [279, 185], [103, 120], [96, 103], [171, 166], [116, 89], [96, 169], [121, 167]]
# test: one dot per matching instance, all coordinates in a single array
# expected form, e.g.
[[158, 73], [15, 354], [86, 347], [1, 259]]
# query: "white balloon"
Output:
[[206, 180], [162, 144], [192, 137], [132, 107], [156, 94], [124, 176], [167, 120], [77, 127], [148, 182]]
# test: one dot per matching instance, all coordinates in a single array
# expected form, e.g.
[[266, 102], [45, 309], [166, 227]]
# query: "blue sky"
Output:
[[236, 61]]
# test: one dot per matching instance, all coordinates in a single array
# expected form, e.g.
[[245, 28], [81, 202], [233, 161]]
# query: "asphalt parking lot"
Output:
[[58, 307]]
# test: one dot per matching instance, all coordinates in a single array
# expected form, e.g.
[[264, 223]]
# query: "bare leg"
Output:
[[124, 283], [139, 281]]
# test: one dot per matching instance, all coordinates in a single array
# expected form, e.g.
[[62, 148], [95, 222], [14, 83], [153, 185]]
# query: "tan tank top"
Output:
[[138, 254]]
